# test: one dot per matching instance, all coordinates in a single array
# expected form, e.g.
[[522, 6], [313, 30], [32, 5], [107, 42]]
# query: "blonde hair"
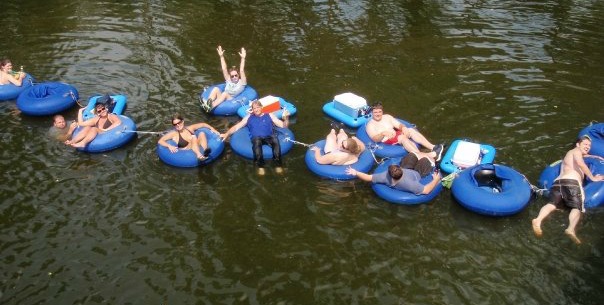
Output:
[[352, 146]]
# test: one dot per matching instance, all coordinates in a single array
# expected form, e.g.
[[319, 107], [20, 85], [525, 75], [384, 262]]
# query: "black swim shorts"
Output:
[[566, 193], [423, 166]]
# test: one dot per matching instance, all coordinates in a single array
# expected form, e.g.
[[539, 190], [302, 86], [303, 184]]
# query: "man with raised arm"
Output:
[[261, 131]]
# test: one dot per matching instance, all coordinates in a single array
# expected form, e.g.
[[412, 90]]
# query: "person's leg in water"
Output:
[[573, 220], [543, 213], [273, 141], [258, 157]]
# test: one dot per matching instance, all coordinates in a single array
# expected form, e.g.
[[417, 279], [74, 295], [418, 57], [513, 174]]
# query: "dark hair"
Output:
[[105, 99], [233, 68], [4, 62], [377, 105], [583, 137], [176, 116], [395, 171]]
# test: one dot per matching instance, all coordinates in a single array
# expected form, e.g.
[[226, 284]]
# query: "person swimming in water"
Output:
[[567, 190]]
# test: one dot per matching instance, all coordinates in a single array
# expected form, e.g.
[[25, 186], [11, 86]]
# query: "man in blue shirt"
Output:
[[261, 131]]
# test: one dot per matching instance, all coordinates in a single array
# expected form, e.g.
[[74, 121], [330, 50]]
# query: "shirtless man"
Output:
[[339, 149], [386, 129], [567, 189], [60, 130]]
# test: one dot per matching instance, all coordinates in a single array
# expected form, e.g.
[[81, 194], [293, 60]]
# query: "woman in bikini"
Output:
[[101, 122], [184, 137], [7, 76]]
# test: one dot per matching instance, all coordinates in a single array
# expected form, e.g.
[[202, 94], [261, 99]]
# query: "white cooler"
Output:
[[349, 103]]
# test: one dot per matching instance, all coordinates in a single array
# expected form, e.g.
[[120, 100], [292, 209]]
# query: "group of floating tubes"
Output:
[[479, 185]]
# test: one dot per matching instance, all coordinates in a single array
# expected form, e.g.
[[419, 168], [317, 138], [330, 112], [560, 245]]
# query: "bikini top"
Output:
[[181, 141]]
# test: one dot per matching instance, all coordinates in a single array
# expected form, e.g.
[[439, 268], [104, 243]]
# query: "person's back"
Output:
[[570, 167]]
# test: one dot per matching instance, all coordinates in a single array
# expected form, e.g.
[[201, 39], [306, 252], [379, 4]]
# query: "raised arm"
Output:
[[242, 78], [279, 123], [81, 121], [223, 65]]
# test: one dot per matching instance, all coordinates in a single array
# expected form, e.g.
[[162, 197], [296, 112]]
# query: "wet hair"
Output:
[[4, 62], [56, 116], [395, 171], [352, 146], [233, 68]]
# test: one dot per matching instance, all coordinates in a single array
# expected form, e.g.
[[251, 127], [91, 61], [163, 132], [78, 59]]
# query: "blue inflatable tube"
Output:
[[118, 108], [492, 190], [393, 195], [337, 172], [487, 155], [594, 191], [111, 139], [246, 109], [230, 107], [596, 134], [241, 143], [11, 92], [186, 157], [330, 109], [47, 98], [381, 149]]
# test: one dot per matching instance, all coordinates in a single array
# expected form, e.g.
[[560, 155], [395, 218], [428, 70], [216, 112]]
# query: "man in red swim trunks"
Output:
[[386, 129], [567, 189]]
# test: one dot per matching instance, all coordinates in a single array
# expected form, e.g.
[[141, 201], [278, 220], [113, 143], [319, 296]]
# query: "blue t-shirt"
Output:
[[260, 126], [408, 183]]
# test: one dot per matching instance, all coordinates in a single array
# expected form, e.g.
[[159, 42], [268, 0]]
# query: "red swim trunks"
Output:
[[393, 140]]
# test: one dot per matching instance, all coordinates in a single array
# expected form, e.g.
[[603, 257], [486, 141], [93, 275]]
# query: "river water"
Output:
[[123, 228]]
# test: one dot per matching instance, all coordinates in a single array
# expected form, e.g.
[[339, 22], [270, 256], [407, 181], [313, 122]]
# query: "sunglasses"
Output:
[[101, 109], [234, 75], [174, 124]]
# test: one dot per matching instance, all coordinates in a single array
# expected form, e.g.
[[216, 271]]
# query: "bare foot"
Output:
[[201, 157], [279, 170], [78, 145], [572, 236], [261, 171], [537, 228]]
